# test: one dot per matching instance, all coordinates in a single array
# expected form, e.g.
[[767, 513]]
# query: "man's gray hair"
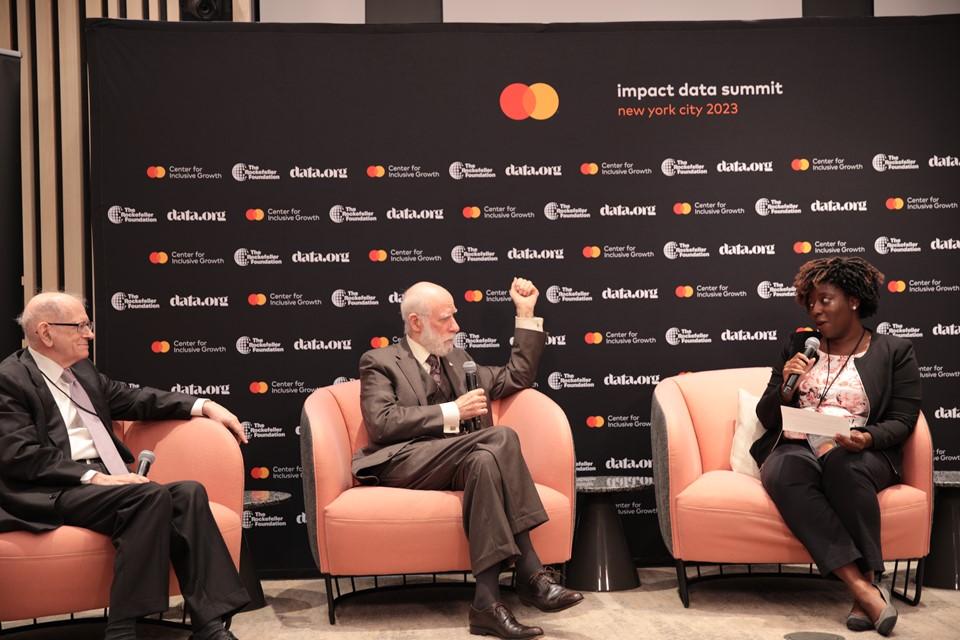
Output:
[[417, 299], [47, 306]]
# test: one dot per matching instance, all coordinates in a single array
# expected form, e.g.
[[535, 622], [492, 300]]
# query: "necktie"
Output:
[[437, 374], [98, 431]]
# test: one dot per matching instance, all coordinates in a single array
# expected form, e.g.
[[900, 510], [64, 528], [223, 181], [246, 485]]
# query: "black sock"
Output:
[[528, 563], [206, 630], [125, 629], [488, 587]]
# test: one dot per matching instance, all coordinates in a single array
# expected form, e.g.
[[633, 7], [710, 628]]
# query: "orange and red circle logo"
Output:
[[896, 286], [802, 246], [589, 169], [473, 295], [593, 337], [376, 171], [683, 291], [259, 386], [377, 255], [160, 346], [471, 212], [595, 422], [257, 299], [591, 251], [538, 101], [159, 257], [156, 172], [259, 473], [894, 204], [682, 208], [802, 329], [799, 164], [255, 215], [379, 342]]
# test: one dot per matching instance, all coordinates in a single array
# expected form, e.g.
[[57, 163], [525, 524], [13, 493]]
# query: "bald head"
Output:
[[421, 299], [51, 306], [428, 311], [56, 325]]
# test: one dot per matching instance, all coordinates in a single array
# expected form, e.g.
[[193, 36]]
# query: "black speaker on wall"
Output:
[[206, 10]]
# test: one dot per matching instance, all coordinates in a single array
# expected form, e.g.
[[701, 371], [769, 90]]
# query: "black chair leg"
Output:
[[331, 602], [682, 587]]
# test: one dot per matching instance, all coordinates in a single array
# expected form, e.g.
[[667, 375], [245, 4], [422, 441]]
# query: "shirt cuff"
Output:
[[451, 417], [88, 476], [533, 324], [197, 410]]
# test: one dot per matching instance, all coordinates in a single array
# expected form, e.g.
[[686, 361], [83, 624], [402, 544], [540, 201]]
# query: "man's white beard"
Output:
[[433, 343]]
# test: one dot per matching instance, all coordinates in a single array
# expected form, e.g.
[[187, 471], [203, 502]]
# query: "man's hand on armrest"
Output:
[[220, 413]]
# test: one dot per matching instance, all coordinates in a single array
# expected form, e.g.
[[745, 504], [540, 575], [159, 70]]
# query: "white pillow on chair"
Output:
[[748, 429]]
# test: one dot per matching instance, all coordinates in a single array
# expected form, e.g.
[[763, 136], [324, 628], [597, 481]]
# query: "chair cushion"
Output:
[[746, 432], [385, 530], [71, 569], [725, 516]]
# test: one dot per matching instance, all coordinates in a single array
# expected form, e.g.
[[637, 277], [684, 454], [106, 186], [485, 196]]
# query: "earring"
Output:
[[854, 306]]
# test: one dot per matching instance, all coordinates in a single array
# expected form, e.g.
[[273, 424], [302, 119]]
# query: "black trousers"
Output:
[[499, 496], [830, 504], [151, 526]]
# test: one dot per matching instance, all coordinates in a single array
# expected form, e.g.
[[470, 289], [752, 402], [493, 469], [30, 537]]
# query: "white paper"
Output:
[[806, 421]]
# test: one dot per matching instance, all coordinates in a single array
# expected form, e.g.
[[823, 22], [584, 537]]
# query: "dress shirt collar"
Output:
[[419, 351], [51, 369]]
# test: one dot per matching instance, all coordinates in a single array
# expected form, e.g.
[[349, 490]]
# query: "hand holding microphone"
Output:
[[796, 366], [144, 461], [473, 403]]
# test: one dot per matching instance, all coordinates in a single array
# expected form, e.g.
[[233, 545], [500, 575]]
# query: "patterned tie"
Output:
[[98, 431], [437, 374]]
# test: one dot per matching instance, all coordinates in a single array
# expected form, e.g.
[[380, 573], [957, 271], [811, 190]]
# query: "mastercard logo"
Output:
[[258, 387], [255, 215], [376, 171], [591, 251], [259, 473], [589, 169], [379, 342], [159, 257], [802, 247], [160, 346], [473, 295], [595, 422], [799, 164], [802, 329], [471, 212], [896, 286], [894, 204], [683, 291], [593, 337], [257, 299], [156, 173], [538, 101], [377, 255], [682, 208]]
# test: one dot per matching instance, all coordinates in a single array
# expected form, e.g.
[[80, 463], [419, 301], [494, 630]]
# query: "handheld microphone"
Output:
[[144, 461], [810, 347], [470, 373]]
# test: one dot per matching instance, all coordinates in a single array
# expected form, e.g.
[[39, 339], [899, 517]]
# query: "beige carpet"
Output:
[[742, 609]]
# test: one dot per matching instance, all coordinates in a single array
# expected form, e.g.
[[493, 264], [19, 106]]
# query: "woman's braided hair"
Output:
[[855, 276]]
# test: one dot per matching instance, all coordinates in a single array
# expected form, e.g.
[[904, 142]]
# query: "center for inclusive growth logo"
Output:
[[519, 101]]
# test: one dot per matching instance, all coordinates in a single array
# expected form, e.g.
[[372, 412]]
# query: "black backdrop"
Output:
[[263, 193], [11, 216]]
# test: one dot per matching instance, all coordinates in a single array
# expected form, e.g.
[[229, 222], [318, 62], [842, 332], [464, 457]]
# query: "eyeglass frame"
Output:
[[79, 326]]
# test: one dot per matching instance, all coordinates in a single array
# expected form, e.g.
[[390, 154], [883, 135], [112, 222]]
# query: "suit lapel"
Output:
[[52, 425], [453, 365], [411, 370]]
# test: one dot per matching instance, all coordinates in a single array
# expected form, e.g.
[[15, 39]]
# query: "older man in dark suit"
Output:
[[417, 409], [60, 464]]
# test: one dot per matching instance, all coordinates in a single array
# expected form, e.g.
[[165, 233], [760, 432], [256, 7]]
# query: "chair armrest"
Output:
[[676, 453], [325, 454], [196, 449], [545, 438], [918, 463]]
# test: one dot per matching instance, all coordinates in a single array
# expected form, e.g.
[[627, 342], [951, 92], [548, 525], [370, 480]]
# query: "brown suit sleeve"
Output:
[[390, 409], [520, 372]]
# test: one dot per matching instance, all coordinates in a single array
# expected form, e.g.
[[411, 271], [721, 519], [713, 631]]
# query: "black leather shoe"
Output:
[[219, 634], [496, 620], [544, 591]]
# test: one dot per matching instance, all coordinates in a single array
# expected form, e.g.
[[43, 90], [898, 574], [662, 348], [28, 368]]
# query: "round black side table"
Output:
[[942, 567], [601, 557], [248, 573]]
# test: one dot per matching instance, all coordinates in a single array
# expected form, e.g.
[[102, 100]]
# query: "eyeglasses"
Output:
[[82, 327]]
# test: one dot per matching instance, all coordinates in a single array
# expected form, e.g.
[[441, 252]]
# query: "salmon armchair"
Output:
[[710, 514], [70, 569], [379, 531]]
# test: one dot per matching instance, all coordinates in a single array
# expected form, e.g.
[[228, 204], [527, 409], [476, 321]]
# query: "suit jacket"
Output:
[[393, 392], [35, 457], [890, 378]]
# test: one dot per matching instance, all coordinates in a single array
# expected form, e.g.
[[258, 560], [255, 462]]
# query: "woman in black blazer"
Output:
[[826, 488]]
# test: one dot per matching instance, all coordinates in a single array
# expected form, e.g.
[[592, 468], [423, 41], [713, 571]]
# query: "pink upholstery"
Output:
[[357, 530], [709, 513], [71, 569]]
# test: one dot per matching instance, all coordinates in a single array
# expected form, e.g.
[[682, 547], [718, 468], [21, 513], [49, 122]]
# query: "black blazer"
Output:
[[891, 379], [35, 462]]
